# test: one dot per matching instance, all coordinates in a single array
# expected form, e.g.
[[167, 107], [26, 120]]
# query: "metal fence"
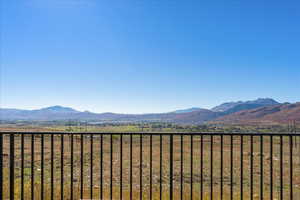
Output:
[[149, 165]]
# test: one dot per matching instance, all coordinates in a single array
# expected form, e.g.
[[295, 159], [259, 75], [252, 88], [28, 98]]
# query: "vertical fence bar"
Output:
[[171, 167], [141, 167], [261, 167], [42, 166], [62, 167], [251, 167], [242, 168], [281, 168], [91, 165], [231, 167], [22, 167], [111, 167], [71, 165], [11, 166], [121, 167], [181, 166], [101, 166], [160, 167], [271, 167], [201, 169], [211, 166], [192, 159], [81, 165], [52, 167], [151, 167], [130, 166], [1, 166], [221, 168], [32, 166], [291, 167]]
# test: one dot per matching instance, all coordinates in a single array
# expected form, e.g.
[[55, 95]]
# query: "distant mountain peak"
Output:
[[243, 105], [58, 108], [267, 101], [193, 109]]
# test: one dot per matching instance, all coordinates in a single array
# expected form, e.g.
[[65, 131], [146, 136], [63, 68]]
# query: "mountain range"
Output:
[[263, 110]]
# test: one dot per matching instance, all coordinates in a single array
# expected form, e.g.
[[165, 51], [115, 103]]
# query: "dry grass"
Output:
[[146, 168]]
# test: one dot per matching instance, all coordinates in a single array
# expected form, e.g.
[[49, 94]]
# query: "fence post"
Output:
[[11, 166], [42, 166], [171, 167], [141, 166], [1, 166], [32, 166], [291, 167]]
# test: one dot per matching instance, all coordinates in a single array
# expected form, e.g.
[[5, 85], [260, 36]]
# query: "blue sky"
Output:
[[147, 56]]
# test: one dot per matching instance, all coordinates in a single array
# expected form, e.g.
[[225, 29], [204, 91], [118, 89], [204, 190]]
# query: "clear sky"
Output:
[[141, 56]]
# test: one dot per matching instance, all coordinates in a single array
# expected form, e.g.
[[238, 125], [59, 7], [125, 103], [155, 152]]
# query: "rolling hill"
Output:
[[65, 113]]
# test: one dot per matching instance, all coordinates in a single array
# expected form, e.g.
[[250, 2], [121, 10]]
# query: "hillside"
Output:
[[232, 107], [281, 113]]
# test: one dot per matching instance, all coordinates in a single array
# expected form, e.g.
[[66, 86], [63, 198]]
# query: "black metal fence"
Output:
[[150, 166]]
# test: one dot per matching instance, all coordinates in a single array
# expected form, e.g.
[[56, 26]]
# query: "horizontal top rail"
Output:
[[154, 133]]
